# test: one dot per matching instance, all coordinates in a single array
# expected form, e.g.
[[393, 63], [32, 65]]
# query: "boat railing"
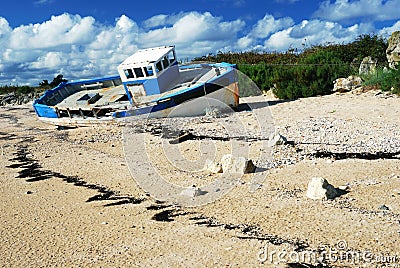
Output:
[[98, 84]]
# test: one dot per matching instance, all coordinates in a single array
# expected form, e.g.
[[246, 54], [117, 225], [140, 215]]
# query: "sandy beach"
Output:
[[68, 198]]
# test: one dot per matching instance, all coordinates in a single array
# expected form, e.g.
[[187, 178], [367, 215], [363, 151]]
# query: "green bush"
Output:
[[365, 45], [260, 74], [314, 75], [28, 89], [16, 89], [384, 80], [309, 73], [25, 89], [250, 57]]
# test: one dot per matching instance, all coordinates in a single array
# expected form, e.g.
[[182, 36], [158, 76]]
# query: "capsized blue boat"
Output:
[[150, 84]]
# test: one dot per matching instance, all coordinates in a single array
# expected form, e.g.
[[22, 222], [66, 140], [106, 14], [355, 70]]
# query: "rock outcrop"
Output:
[[367, 66], [347, 84], [393, 50]]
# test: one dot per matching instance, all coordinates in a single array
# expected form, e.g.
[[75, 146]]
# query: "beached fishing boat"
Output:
[[150, 83]]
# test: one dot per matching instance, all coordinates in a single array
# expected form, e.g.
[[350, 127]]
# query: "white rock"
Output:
[[276, 139], [239, 164], [393, 50], [193, 192], [347, 84], [319, 188], [212, 166], [367, 66]]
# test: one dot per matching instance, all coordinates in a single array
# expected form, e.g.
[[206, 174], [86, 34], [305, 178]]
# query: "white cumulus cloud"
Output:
[[155, 21], [59, 30], [191, 29], [387, 31], [268, 25], [50, 60], [79, 47], [263, 29], [314, 32], [340, 10]]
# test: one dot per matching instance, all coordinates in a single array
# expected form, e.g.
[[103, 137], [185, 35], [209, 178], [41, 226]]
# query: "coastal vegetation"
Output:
[[44, 85], [311, 72], [384, 79]]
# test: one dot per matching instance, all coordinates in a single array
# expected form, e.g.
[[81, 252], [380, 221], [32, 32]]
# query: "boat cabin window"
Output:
[[129, 73], [158, 67], [165, 62], [149, 70], [138, 72], [171, 57]]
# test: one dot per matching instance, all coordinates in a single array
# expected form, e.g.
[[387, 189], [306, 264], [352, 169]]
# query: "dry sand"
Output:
[[67, 199]]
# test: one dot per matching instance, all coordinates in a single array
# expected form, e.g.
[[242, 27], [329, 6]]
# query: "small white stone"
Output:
[[276, 139], [237, 165], [193, 192], [319, 188], [212, 166]]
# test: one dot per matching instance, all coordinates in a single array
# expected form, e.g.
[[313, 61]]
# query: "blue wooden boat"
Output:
[[150, 83]]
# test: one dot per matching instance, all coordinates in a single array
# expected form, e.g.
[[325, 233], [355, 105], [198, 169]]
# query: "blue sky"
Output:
[[84, 39]]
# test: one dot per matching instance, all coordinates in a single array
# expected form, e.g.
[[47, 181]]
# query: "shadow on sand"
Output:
[[259, 105]]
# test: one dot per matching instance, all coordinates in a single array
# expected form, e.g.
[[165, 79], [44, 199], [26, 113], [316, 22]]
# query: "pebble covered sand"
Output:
[[68, 198]]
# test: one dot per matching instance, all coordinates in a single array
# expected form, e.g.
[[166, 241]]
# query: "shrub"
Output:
[[385, 80], [312, 76], [365, 45], [260, 74], [16, 89], [304, 74], [25, 89]]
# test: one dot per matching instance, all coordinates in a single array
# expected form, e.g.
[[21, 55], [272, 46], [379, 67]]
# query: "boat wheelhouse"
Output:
[[149, 71]]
